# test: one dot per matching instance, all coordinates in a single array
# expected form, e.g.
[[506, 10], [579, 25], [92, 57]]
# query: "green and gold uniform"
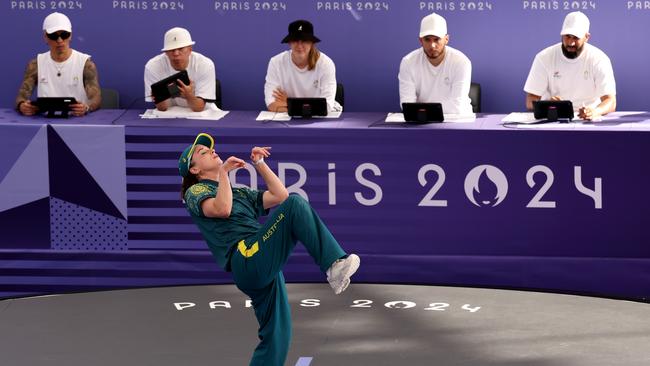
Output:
[[255, 253]]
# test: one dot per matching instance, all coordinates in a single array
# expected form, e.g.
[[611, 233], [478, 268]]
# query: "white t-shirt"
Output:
[[70, 83], [302, 83], [200, 71], [447, 83], [582, 80]]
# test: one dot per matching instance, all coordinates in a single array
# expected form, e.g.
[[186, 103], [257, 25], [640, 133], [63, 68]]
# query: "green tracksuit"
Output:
[[255, 254]]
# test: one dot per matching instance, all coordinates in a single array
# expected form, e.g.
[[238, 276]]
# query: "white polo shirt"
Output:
[[582, 80], [447, 83], [302, 83], [200, 71], [62, 79]]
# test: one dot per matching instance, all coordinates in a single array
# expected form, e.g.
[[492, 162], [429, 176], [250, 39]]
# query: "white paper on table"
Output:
[[559, 125], [395, 118], [582, 125], [210, 115], [211, 112], [529, 117], [273, 116], [521, 118], [284, 116], [451, 118]]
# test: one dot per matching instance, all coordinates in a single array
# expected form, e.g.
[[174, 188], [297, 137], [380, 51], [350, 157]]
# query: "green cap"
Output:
[[185, 160]]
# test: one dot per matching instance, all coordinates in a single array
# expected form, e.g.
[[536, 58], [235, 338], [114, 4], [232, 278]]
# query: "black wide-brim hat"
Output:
[[300, 30]]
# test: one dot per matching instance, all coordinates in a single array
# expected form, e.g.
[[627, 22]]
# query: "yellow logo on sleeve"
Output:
[[198, 189]]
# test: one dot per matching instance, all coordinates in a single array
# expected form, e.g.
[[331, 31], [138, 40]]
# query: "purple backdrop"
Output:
[[516, 211], [366, 39]]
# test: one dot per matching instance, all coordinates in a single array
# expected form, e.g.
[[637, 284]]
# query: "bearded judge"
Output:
[[573, 70]]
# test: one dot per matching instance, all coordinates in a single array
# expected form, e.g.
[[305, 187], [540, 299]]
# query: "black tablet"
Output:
[[168, 87], [553, 110], [306, 107], [55, 107], [422, 112]]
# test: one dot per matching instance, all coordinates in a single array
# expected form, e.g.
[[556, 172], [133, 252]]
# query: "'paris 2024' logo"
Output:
[[486, 186]]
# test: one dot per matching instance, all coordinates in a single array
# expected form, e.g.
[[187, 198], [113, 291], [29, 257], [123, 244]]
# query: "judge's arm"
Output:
[[607, 105], [606, 87], [202, 89], [328, 86], [460, 85], [151, 77], [280, 103], [537, 83], [162, 106], [407, 92], [274, 97], [195, 103], [23, 105], [91, 85], [530, 98]]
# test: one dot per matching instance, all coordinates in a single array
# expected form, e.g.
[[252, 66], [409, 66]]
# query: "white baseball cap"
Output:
[[433, 25], [575, 24], [177, 38], [56, 22]]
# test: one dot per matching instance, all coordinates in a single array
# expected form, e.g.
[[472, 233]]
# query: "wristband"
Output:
[[259, 161]]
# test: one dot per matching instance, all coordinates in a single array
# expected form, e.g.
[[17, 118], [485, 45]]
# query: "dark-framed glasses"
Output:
[[55, 36]]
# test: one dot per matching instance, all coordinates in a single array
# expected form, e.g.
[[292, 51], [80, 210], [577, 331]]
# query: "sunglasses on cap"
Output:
[[55, 36]]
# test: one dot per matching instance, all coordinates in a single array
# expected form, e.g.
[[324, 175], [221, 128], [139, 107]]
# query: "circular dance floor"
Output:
[[392, 325]]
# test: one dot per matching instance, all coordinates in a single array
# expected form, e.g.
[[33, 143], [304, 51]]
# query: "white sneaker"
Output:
[[338, 275]]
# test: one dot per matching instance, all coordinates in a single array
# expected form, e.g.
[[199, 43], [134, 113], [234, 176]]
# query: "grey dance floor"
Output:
[[366, 325]]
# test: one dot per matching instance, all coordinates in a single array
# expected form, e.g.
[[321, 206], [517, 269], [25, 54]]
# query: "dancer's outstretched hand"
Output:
[[233, 163], [260, 152]]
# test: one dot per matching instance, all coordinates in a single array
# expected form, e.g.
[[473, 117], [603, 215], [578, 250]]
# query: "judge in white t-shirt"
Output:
[[301, 72], [436, 72], [573, 70], [60, 72], [177, 56]]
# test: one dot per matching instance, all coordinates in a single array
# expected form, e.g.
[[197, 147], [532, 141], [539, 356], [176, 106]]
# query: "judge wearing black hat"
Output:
[[301, 72]]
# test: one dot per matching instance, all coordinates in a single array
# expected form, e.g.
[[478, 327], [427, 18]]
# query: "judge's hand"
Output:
[[27, 108], [187, 91], [79, 109], [588, 113]]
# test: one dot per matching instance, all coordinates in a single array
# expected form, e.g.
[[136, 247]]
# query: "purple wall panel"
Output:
[[582, 244], [366, 39]]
